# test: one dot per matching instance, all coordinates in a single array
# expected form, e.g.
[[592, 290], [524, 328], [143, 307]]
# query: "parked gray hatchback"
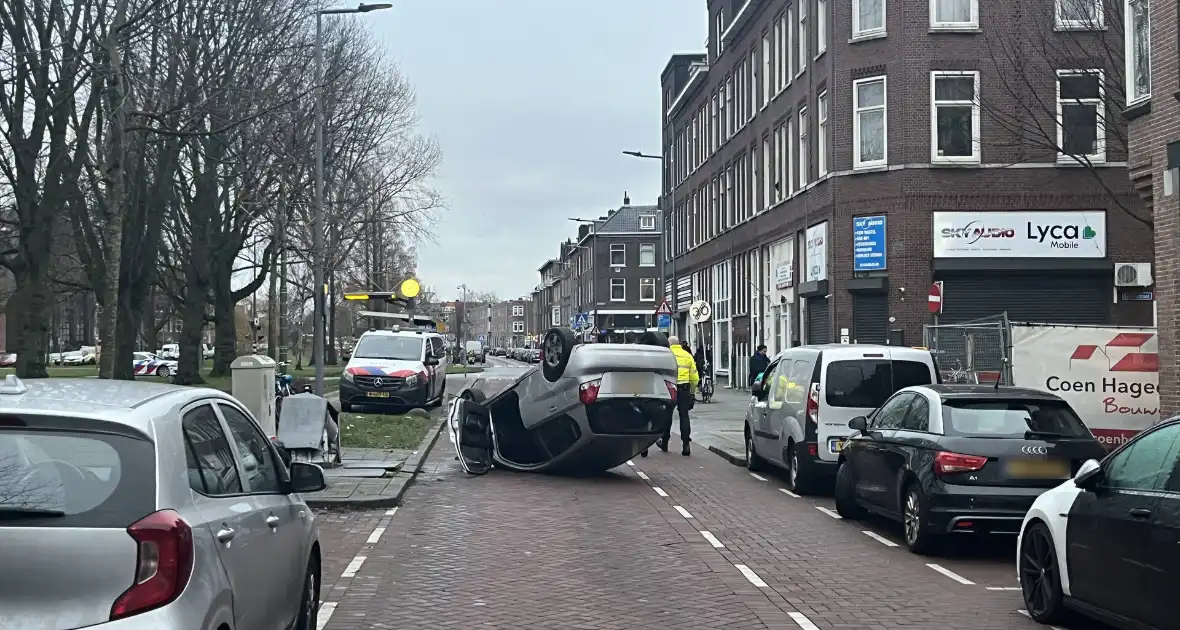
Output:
[[137, 505]]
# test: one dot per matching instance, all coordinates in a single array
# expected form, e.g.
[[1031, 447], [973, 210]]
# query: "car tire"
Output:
[[797, 481], [845, 495], [558, 345], [1043, 605], [345, 407], [754, 462], [474, 395], [918, 538], [309, 603], [164, 372]]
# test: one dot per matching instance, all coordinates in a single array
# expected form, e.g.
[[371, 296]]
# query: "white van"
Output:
[[798, 416]]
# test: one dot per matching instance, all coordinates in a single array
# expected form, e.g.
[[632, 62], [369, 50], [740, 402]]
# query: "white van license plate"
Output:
[[835, 446]]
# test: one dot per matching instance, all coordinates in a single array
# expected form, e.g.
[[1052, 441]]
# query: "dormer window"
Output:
[[647, 222]]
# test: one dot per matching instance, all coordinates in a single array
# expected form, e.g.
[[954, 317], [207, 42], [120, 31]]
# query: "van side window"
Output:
[[800, 381], [776, 383]]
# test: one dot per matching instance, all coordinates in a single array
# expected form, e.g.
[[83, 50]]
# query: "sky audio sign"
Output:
[[1020, 234]]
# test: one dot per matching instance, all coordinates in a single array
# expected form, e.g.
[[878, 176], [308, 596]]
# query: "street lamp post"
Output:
[[320, 306], [665, 222]]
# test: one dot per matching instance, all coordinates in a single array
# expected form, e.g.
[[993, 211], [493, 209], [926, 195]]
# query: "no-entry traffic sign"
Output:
[[934, 301]]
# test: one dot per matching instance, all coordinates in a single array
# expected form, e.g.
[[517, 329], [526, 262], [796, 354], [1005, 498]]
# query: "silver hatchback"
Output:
[[132, 505]]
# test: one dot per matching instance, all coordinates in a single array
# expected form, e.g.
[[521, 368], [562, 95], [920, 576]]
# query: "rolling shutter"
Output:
[[819, 329], [1079, 299], [870, 318]]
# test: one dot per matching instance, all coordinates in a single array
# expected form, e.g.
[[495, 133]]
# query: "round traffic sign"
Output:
[[700, 311]]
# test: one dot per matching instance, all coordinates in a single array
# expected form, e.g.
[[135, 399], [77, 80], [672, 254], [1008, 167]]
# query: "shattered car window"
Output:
[[389, 348]]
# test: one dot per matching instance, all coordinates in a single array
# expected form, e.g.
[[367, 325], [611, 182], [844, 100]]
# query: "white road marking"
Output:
[[751, 576], [683, 512], [642, 475], [788, 493], [712, 540], [1003, 588], [353, 567], [326, 610], [828, 512], [1025, 613], [802, 620], [375, 537], [391, 512], [758, 477], [951, 574], [630, 463], [659, 491], [879, 538]]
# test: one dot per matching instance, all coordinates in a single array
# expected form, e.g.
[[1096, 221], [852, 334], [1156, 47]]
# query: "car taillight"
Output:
[[951, 463], [671, 385], [163, 566], [813, 403], [588, 391]]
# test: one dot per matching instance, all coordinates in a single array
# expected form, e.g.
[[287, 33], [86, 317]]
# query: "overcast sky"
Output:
[[532, 102]]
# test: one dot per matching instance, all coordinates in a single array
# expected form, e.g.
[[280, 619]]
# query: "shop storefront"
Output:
[[780, 280], [1045, 267], [814, 289]]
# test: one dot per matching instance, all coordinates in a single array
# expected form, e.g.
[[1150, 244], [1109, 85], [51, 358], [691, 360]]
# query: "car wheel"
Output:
[[309, 603], [474, 395], [796, 478], [1040, 576], [913, 512], [345, 407], [846, 505], [558, 345], [163, 372], [754, 463]]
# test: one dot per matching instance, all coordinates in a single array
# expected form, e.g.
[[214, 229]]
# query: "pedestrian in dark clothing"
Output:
[[758, 363]]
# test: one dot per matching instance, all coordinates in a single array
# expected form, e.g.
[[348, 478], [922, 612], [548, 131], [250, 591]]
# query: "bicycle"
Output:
[[958, 375]]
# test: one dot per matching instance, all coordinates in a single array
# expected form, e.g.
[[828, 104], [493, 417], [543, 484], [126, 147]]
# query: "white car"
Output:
[[148, 364], [395, 368], [1104, 543]]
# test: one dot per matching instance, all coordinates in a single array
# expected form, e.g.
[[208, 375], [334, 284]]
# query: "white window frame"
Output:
[[1129, 43], [821, 110], [802, 38], [788, 44], [767, 67], [1100, 155], [804, 149], [1076, 25], [779, 55], [622, 284], [555, 316], [647, 247], [622, 249], [645, 283], [647, 221], [821, 27], [789, 152], [973, 23], [518, 310], [720, 33], [769, 197], [976, 137], [858, 32], [857, 162], [518, 327]]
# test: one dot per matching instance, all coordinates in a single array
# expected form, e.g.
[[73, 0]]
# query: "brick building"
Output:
[[512, 323], [827, 161]]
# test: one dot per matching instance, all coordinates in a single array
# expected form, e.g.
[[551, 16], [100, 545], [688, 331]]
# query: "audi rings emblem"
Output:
[[377, 382], [1034, 450]]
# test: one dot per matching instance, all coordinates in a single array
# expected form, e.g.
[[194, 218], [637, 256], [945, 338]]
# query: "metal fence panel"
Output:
[[977, 351]]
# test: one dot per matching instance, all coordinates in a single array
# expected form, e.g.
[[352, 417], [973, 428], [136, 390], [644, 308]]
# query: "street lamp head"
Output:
[[633, 153], [365, 8]]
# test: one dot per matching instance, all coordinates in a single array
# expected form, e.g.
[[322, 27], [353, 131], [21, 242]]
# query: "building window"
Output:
[[720, 32], [954, 115], [1138, 53], [821, 141], [555, 316], [518, 310], [767, 69], [804, 148], [618, 290], [1081, 116], [954, 14], [787, 142], [1082, 15], [647, 222], [821, 27], [647, 289], [517, 327], [788, 63], [870, 139], [618, 255], [721, 316], [868, 18], [647, 255], [802, 36]]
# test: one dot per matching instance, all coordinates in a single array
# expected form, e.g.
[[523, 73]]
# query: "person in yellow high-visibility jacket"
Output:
[[687, 379]]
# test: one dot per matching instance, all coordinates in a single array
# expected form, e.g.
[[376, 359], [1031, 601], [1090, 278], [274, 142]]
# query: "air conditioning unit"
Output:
[[1132, 275]]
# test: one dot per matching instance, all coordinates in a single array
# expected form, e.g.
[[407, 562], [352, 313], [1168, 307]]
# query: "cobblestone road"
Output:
[[670, 542]]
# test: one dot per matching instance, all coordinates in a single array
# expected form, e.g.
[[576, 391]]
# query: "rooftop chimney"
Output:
[[626, 199]]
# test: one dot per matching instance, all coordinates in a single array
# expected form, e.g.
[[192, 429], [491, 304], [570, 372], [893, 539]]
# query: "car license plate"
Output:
[[1038, 469], [633, 384], [836, 445], [378, 394]]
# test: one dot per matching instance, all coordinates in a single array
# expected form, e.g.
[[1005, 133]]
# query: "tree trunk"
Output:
[[28, 326], [284, 341], [331, 313], [225, 334], [192, 327], [128, 322]]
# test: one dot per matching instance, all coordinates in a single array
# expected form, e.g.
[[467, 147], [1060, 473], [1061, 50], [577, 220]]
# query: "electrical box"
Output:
[[253, 383]]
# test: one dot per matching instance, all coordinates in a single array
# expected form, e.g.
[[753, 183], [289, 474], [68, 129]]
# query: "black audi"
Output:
[[959, 459]]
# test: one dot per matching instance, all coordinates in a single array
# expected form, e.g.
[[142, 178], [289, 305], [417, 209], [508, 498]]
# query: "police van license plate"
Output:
[[378, 394], [835, 446]]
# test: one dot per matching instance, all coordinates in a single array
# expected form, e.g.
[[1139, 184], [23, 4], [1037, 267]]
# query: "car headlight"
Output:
[[411, 380], [347, 376]]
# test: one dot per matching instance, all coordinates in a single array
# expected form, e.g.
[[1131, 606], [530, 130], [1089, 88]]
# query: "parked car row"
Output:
[[526, 355], [874, 425]]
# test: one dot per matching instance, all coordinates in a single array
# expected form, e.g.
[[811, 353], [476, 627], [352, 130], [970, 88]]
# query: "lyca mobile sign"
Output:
[[1019, 234]]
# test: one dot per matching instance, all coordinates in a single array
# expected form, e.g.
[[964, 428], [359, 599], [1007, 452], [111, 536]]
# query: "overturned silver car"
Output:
[[585, 408]]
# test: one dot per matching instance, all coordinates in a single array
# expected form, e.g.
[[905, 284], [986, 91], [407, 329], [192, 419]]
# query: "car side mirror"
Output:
[[307, 477], [430, 361], [859, 423], [1089, 475], [757, 388]]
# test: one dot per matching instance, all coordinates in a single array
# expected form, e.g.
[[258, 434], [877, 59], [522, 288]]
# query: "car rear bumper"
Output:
[[413, 396], [979, 509]]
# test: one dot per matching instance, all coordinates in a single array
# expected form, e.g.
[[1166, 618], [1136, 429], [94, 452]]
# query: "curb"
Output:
[[413, 465], [736, 460]]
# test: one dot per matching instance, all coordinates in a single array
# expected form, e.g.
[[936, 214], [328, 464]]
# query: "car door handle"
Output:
[[1140, 513], [226, 535], [272, 521]]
